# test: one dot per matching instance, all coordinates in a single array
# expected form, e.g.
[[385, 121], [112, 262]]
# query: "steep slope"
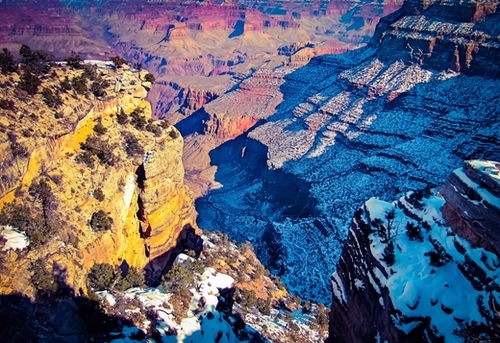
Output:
[[407, 273], [90, 179], [343, 129]]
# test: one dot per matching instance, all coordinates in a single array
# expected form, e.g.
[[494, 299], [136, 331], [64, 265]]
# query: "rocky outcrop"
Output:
[[411, 271], [461, 36], [140, 186], [472, 206]]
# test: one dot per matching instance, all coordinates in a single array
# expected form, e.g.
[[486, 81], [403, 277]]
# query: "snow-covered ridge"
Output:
[[421, 278]]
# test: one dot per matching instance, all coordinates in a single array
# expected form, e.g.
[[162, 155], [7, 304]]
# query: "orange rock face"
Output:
[[144, 193]]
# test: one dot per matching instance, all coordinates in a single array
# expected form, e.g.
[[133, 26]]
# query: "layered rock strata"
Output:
[[143, 193]]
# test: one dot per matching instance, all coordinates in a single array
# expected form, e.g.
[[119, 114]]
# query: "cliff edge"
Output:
[[87, 176], [423, 268]]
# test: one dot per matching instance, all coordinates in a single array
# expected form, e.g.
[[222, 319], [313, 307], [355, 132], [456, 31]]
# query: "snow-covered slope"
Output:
[[350, 127], [406, 275]]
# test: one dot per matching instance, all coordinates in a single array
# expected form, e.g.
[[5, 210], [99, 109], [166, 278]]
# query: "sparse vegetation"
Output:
[[98, 194], [99, 129], [74, 61], [101, 221], [121, 117], [149, 78], [118, 61], [7, 63], [388, 255], [134, 278], [132, 146], [98, 87], [179, 277], [29, 81], [99, 148], [414, 232], [41, 278], [137, 119], [51, 98], [38, 61], [174, 134], [439, 257], [100, 276]]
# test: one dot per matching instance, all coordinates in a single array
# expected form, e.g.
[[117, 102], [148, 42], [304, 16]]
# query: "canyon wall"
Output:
[[461, 36], [351, 126], [140, 182]]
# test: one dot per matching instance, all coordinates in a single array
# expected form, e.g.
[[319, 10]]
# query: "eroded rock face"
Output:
[[461, 36], [472, 208], [410, 271], [191, 39], [143, 190]]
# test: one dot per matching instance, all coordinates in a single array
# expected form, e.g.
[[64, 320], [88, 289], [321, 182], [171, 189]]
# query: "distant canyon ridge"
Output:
[[197, 50]]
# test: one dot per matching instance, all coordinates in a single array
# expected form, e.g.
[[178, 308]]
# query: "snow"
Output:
[[338, 289], [417, 288], [485, 194], [370, 145], [201, 327], [16, 239], [490, 168]]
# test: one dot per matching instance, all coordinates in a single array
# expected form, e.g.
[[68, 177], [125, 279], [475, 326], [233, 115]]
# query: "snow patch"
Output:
[[16, 239]]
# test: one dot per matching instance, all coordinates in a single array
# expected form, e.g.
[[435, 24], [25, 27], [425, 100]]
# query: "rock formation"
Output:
[[140, 179], [457, 35], [409, 272], [335, 132], [191, 39]]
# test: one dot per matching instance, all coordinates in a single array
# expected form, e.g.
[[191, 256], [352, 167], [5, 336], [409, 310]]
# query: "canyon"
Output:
[[187, 43], [294, 119], [345, 128]]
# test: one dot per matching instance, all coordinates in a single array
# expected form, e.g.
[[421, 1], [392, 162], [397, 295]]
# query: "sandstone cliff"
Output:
[[136, 177], [417, 270]]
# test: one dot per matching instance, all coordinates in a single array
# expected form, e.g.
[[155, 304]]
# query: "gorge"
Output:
[[295, 118]]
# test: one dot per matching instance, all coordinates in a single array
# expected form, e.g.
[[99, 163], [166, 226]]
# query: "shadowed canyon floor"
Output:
[[345, 128]]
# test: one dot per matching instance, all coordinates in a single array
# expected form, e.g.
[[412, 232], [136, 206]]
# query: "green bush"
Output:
[[132, 146], [137, 119], [100, 221], [100, 276], [99, 194], [173, 134], [134, 278], [149, 78], [65, 84], [100, 148], [388, 254], [98, 87], [29, 81], [50, 98], [414, 232], [41, 278], [118, 61], [7, 64], [121, 117], [177, 278], [246, 298], [74, 61], [80, 84], [99, 129], [87, 158]]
